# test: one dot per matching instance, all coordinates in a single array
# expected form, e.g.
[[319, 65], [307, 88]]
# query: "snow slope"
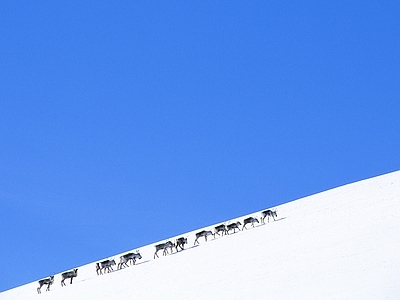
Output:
[[340, 244]]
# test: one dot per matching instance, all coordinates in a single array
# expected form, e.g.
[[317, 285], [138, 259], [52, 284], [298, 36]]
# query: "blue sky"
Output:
[[124, 123]]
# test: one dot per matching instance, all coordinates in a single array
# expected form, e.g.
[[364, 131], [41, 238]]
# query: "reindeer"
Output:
[[233, 227], [164, 247], [98, 269], [268, 213], [106, 265], [220, 228], [69, 274], [128, 257], [202, 233], [180, 243], [49, 281], [249, 220]]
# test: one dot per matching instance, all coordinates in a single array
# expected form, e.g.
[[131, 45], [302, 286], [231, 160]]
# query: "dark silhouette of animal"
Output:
[[220, 228], [128, 257], [180, 243], [164, 247], [249, 220], [233, 227], [106, 266], [49, 281], [268, 213], [69, 274], [204, 233]]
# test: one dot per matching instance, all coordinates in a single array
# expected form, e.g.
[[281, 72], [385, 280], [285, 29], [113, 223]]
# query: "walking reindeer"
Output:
[[106, 266], [220, 228], [69, 274], [48, 281], [164, 247], [128, 257], [180, 243], [233, 227], [204, 233], [249, 220], [268, 213]]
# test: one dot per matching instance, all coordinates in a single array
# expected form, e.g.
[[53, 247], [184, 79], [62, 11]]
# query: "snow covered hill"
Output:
[[340, 244]]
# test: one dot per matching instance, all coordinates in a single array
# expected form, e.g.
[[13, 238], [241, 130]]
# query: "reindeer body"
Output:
[[204, 233], [106, 266], [69, 274], [164, 247], [220, 228], [249, 220], [48, 281], [233, 227], [268, 213], [128, 257], [180, 243]]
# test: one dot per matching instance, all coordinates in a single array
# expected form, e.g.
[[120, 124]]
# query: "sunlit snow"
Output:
[[340, 244]]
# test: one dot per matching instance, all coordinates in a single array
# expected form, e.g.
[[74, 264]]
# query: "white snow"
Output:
[[340, 244]]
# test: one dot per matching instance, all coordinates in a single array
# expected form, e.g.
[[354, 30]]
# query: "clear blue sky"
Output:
[[124, 123]]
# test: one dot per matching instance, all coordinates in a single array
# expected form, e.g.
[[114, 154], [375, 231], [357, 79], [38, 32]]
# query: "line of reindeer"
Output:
[[223, 229], [220, 229], [49, 281], [106, 266]]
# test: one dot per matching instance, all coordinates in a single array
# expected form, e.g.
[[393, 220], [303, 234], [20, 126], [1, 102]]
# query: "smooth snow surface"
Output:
[[340, 244]]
